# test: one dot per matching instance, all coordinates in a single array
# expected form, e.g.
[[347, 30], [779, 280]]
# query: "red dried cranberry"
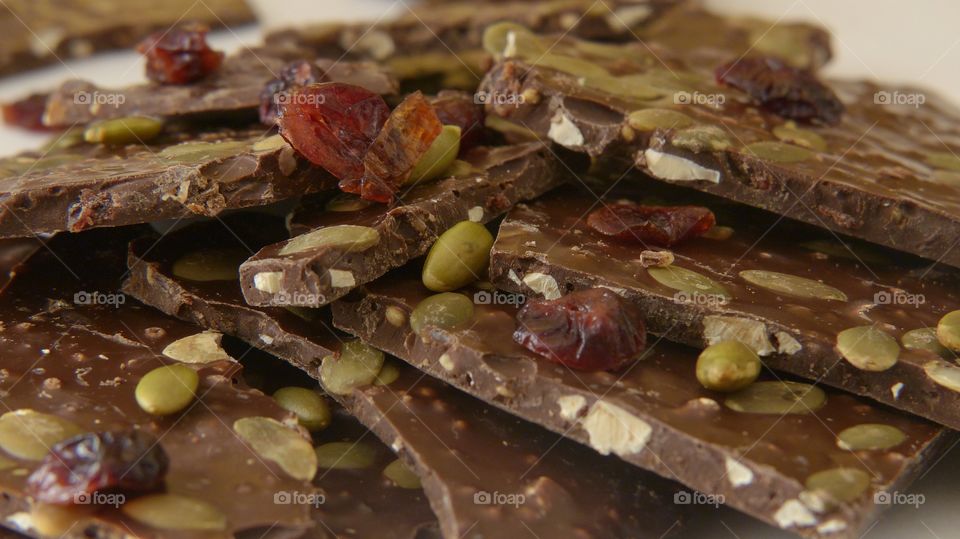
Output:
[[128, 461], [333, 125], [783, 90], [662, 226], [406, 136], [27, 112], [459, 108], [294, 75], [180, 55], [589, 330]]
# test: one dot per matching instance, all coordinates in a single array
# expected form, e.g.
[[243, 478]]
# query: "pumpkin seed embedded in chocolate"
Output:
[[167, 390], [870, 437], [948, 331], [401, 475], [459, 257], [727, 366], [868, 348], [839, 485], [29, 435], [311, 409], [274, 441], [175, 512], [350, 238], [345, 456], [792, 285], [357, 366], [210, 265], [446, 310], [777, 397]]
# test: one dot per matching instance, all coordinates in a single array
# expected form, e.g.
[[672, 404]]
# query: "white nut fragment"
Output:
[[268, 281], [944, 374], [794, 514], [287, 161], [571, 406], [200, 348], [738, 474], [510, 49], [786, 344], [475, 214], [376, 43], [543, 284], [732, 328], [446, 362], [266, 339], [615, 430], [342, 279], [671, 167], [564, 132], [512, 275], [895, 389], [833, 525], [628, 17]]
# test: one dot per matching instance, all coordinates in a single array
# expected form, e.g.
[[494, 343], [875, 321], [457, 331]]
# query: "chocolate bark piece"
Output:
[[180, 175], [41, 33], [654, 414], [13, 253], [792, 326], [234, 89], [466, 453], [311, 274], [886, 173]]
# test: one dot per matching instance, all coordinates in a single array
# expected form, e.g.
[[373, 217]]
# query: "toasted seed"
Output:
[[792, 285], [345, 456], [349, 238], [117, 131], [357, 366], [719, 232], [29, 435], [509, 40], [50, 520], [948, 331], [778, 152], [345, 202], [701, 138], [311, 409], [944, 374], [627, 87], [925, 339], [168, 389], [210, 265], [868, 348], [777, 397], [194, 152], [688, 281], [388, 374], [401, 475], [70, 138], [650, 119], [175, 512], [395, 316], [440, 155], [789, 132], [839, 485], [446, 311], [727, 366], [270, 144], [943, 160], [870, 436], [458, 257], [203, 347], [277, 443]]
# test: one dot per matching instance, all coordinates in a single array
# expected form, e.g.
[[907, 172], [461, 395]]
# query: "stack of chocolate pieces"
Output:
[[396, 280]]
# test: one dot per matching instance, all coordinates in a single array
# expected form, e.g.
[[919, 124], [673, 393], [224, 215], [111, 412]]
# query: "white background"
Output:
[[914, 42]]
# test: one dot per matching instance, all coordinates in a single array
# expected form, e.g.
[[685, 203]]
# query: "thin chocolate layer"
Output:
[[654, 414], [496, 179]]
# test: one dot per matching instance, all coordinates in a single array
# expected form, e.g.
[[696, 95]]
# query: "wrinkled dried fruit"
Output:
[[345, 456], [277, 443], [179, 55], [460, 109], [588, 330], [357, 366], [777, 397], [210, 265], [459, 257], [175, 512], [839, 485], [948, 331], [446, 311], [311, 409], [687, 281], [26, 112], [925, 339], [29, 435], [792, 285], [294, 76], [868, 348], [167, 390], [401, 475], [870, 437], [727, 366], [789, 92], [349, 238], [663, 226], [128, 461], [333, 125]]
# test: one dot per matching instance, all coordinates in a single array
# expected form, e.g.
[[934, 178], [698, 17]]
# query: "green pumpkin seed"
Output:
[[440, 155], [944, 374], [269, 144], [459, 257], [943, 160], [687, 281], [388, 374], [509, 40], [778, 152], [792, 285], [210, 265], [196, 152], [175, 512], [401, 475], [29, 435], [789, 132], [311, 409], [357, 366], [446, 311], [50, 520], [777, 397], [346, 202], [277, 443], [719, 232], [948, 331], [119, 131], [868, 348], [461, 169], [585, 69], [650, 119], [701, 138], [839, 485], [870, 437], [847, 250], [626, 87], [727, 366], [925, 339], [349, 238], [345, 456], [70, 138], [395, 316], [167, 390], [204, 347]]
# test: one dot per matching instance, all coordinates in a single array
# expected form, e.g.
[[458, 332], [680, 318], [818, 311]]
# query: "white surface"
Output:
[[896, 41]]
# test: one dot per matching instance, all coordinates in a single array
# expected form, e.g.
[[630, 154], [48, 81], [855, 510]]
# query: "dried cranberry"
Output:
[[783, 90], [180, 55], [405, 137], [662, 226], [128, 461], [589, 330], [27, 112], [333, 125], [294, 75], [460, 109]]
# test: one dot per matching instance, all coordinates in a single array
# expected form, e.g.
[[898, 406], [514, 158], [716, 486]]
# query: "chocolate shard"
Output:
[[654, 414], [179, 175], [233, 89], [471, 458], [886, 173], [311, 273]]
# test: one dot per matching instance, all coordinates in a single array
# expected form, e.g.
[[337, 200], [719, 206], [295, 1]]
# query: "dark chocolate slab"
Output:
[[497, 179], [654, 414]]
